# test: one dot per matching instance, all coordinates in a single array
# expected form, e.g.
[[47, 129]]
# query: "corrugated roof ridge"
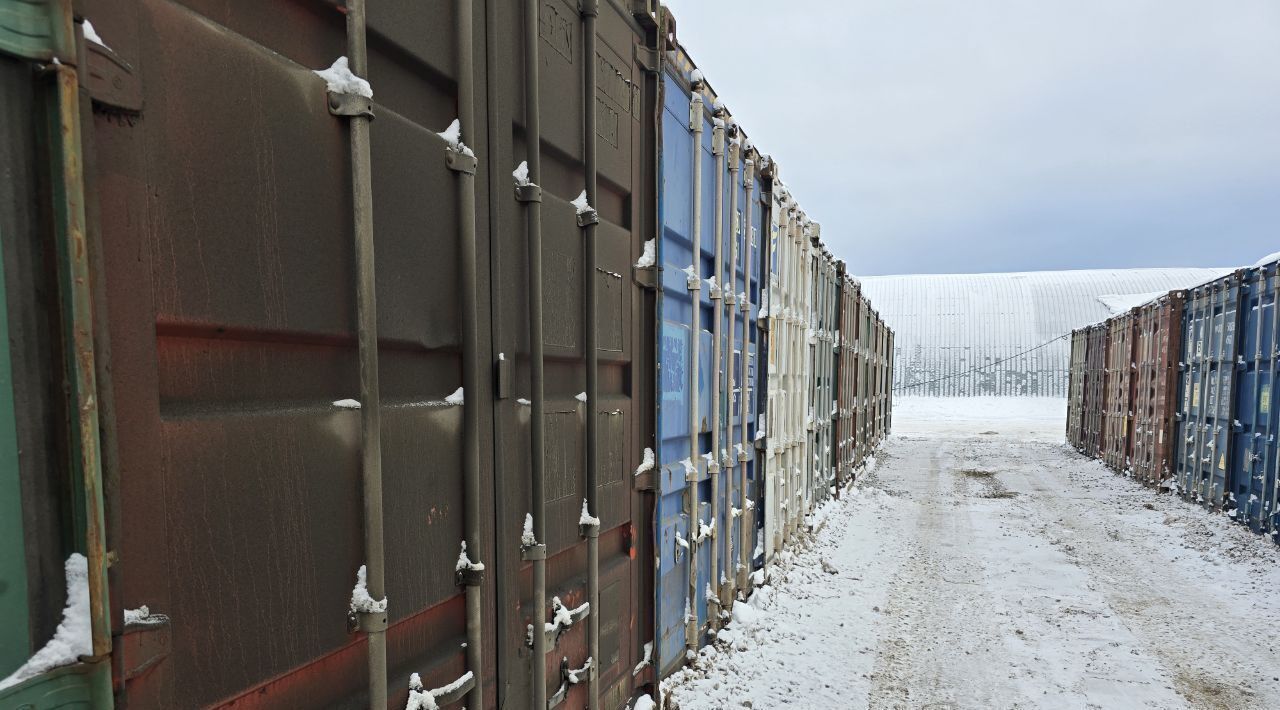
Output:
[[1081, 272]]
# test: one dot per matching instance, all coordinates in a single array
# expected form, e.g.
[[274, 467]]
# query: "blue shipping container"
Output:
[[1253, 456], [701, 506], [1208, 364]]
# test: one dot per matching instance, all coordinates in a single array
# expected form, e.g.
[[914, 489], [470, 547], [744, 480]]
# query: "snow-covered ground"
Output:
[[985, 564], [1025, 418]]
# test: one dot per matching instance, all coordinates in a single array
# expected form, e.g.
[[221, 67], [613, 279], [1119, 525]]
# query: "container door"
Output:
[[1208, 392], [623, 104], [681, 465], [226, 216], [1253, 450]]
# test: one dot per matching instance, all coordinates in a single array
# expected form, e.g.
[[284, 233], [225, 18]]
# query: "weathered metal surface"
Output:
[[1156, 353], [1076, 388], [1209, 347], [1255, 427], [1095, 384], [820, 337], [230, 292], [17, 163], [890, 364], [789, 302], [624, 107], [1193, 408], [236, 197], [38, 29], [56, 489], [845, 376], [687, 457], [1117, 412], [762, 219]]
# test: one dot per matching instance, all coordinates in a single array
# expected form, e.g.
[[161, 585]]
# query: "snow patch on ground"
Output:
[[1037, 418], [773, 651]]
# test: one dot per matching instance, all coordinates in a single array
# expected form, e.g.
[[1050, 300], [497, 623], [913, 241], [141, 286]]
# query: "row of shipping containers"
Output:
[[1178, 393], [496, 380]]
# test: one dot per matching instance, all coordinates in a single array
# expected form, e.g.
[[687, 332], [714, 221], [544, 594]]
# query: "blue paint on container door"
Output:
[[1253, 462]]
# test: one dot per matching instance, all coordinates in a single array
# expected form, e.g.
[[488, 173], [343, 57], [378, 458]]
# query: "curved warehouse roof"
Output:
[[948, 324]]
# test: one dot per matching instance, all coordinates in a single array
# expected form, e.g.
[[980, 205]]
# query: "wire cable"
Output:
[[980, 368]]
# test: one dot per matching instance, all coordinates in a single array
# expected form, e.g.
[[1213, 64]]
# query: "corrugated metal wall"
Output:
[[969, 334]]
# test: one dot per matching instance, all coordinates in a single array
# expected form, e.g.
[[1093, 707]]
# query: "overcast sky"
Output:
[[1007, 135]]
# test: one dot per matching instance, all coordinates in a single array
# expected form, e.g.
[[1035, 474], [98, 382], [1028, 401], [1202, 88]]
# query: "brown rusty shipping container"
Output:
[[887, 386], [1159, 341], [1076, 388], [1200, 391], [354, 384], [1095, 387], [880, 402], [864, 396], [1117, 439], [866, 373], [282, 413]]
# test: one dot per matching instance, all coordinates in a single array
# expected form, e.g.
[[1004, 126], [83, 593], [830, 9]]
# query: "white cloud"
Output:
[[927, 123]]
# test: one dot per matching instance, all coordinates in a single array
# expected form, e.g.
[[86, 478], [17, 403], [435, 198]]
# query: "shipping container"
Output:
[[1117, 439], [1207, 390], [889, 361], [883, 385], [787, 443], [845, 377], [819, 473], [709, 207], [1095, 383], [1156, 353], [504, 377], [278, 410], [761, 201], [864, 391], [1192, 410], [1076, 388], [1253, 455]]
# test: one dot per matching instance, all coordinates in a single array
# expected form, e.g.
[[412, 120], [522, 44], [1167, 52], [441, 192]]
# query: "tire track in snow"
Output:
[[938, 647], [1181, 614], [1035, 580]]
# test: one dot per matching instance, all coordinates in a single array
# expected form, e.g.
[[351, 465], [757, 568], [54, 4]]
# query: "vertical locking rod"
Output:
[[537, 399], [692, 502], [590, 8], [717, 364], [367, 339]]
